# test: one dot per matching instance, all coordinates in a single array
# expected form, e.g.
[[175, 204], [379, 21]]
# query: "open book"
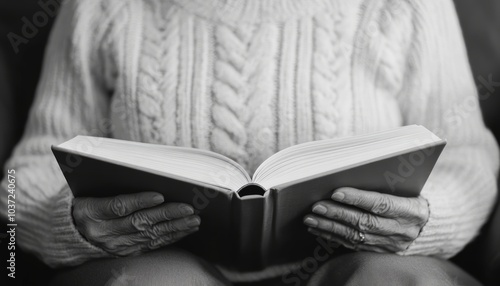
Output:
[[249, 222]]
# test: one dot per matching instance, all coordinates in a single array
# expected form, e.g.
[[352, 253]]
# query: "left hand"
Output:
[[388, 223]]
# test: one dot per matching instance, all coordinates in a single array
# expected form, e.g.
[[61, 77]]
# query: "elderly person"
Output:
[[246, 79]]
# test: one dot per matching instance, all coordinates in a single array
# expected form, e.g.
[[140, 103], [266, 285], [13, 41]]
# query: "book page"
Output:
[[183, 163], [306, 160]]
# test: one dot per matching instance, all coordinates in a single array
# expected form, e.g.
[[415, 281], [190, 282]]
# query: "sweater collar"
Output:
[[252, 11]]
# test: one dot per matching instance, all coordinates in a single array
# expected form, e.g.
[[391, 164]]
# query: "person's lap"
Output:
[[172, 266], [366, 268], [168, 266]]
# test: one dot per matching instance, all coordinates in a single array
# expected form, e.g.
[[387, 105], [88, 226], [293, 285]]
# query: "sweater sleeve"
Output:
[[70, 100], [439, 93]]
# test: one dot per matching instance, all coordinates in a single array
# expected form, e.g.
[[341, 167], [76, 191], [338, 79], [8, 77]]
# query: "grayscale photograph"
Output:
[[250, 142]]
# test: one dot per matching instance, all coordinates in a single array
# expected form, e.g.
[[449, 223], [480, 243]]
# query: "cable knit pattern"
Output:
[[158, 74], [242, 90], [327, 73], [246, 79], [393, 39]]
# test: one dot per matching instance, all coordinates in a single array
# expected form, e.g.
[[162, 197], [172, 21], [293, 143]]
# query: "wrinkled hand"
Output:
[[389, 223], [132, 224]]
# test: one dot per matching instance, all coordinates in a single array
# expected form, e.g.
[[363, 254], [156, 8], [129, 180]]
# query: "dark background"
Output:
[[19, 73]]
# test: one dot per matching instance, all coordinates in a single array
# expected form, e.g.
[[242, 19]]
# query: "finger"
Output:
[[168, 227], [359, 247], [123, 205], [392, 243], [144, 219], [159, 230], [123, 244], [339, 230], [374, 202], [329, 236], [154, 244], [360, 220], [170, 238]]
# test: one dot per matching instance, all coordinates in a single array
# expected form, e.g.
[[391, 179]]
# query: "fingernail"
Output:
[[320, 209], [186, 210], [158, 199], [338, 196], [311, 222], [193, 221], [191, 230]]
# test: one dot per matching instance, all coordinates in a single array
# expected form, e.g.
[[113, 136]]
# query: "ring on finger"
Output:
[[362, 237]]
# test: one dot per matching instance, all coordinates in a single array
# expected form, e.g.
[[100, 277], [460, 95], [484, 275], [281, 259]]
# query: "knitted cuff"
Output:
[[433, 235], [66, 246], [440, 236]]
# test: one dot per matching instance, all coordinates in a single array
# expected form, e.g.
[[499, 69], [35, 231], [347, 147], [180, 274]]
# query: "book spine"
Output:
[[252, 219]]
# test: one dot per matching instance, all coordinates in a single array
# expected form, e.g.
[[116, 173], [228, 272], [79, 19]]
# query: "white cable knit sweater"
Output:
[[246, 79]]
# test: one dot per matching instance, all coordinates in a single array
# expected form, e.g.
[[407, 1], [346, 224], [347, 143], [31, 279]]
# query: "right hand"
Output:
[[132, 224]]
